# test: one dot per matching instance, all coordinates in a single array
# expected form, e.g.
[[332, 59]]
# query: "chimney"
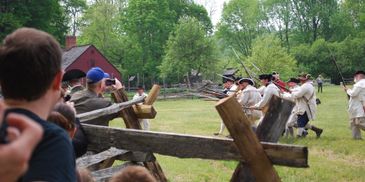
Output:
[[70, 42]]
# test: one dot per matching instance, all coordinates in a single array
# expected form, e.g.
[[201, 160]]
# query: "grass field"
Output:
[[335, 157]]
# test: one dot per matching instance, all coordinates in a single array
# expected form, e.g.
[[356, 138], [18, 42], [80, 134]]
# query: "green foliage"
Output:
[[188, 48], [318, 57], [73, 10], [48, 16], [240, 24], [269, 55], [101, 28]]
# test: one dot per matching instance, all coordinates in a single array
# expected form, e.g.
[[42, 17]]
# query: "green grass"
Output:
[[333, 157]]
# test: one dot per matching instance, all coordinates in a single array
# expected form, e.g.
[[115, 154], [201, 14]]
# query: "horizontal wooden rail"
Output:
[[115, 108], [187, 146]]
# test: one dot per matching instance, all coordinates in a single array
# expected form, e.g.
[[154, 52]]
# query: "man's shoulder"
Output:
[[53, 158]]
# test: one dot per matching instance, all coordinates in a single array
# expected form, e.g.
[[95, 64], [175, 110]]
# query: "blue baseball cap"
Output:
[[96, 74]]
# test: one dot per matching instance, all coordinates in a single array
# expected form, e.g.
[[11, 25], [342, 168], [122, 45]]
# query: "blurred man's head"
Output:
[[244, 82], [133, 174], [304, 77], [359, 75], [96, 80], [75, 82], [140, 90], [265, 79], [275, 75], [228, 81], [293, 82], [30, 66]]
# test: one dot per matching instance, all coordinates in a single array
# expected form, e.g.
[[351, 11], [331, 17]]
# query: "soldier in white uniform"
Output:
[[270, 90], [306, 106], [248, 97], [292, 121], [357, 105], [230, 88], [145, 123]]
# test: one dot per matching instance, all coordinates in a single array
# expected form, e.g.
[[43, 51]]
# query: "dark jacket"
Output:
[[86, 101]]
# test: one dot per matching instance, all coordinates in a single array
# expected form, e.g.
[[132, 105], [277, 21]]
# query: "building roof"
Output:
[[71, 55]]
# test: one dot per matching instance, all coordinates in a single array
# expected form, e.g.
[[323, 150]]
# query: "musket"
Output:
[[338, 70], [337, 67], [244, 67]]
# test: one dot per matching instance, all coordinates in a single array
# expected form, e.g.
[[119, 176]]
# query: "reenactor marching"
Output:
[[357, 105], [301, 91], [248, 97]]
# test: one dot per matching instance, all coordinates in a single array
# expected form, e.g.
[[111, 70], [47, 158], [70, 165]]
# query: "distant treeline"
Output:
[[171, 40]]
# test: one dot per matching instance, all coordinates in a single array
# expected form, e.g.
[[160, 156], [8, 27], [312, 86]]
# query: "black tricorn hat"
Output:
[[228, 78], [248, 80], [295, 80], [265, 76], [359, 72], [140, 87]]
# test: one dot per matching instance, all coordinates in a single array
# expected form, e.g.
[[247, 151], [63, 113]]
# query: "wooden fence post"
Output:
[[246, 140], [269, 130], [131, 121]]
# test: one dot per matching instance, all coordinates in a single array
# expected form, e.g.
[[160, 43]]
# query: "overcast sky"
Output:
[[214, 8]]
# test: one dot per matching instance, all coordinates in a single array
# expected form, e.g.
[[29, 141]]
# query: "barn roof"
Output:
[[71, 55]]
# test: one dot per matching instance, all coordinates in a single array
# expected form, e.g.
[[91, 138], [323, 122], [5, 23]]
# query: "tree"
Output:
[[241, 23], [268, 55], [48, 16], [183, 8], [148, 23], [101, 28], [188, 48], [312, 19], [73, 9]]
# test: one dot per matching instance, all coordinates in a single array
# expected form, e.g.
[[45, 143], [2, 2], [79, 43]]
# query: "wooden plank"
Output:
[[131, 121], [104, 175], [145, 111], [152, 95], [273, 125], [135, 156], [92, 162], [115, 108], [245, 139], [184, 146], [269, 130]]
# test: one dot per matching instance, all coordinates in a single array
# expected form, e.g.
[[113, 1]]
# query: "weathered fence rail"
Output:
[[138, 146], [115, 108], [185, 146]]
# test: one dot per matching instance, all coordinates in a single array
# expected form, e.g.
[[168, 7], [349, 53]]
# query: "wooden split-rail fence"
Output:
[[256, 152]]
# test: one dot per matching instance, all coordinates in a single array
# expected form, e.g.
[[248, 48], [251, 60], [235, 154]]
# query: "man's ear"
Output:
[[57, 81]]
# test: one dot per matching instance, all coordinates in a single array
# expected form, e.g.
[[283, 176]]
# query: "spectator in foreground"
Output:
[[84, 176], [30, 78], [133, 174], [64, 116], [90, 99], [14, 155]]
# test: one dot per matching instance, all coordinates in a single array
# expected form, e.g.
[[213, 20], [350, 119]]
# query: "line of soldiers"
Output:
[[254, 100]]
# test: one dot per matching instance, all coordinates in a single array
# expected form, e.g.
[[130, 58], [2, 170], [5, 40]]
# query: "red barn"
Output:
[[82, 58]]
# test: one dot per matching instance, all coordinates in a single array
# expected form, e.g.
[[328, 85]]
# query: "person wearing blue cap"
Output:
[[91, 98]]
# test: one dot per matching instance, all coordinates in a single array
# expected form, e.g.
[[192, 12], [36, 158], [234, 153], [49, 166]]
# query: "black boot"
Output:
[[317, 130]]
